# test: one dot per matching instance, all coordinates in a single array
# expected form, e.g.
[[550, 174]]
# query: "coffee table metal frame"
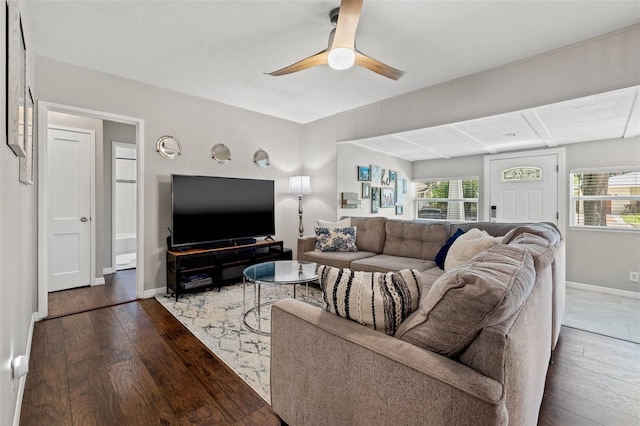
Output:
[[295, 272]]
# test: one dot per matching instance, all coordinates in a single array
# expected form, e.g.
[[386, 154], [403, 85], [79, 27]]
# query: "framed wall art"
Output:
[[375, 199], [387, 197], [364, 173], [16, 57], [376, 175], [366, 190]]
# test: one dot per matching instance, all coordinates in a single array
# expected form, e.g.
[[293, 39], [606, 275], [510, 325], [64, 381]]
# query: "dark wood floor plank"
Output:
[[46, 396], [93, 398], [140, 399], [119, 287], [48, 338]]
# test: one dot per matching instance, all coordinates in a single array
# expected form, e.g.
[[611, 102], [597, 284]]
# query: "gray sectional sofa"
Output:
[[449, 362]]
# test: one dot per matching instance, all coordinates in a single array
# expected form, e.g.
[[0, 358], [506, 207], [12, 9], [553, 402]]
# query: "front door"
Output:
[[524, 189], [69, 157]]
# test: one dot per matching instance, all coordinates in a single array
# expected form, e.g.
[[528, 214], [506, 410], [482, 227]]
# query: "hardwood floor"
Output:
[[118, 288], [136, 364]]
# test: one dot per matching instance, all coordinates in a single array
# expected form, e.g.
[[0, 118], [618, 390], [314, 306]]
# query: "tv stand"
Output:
[[203, 268]]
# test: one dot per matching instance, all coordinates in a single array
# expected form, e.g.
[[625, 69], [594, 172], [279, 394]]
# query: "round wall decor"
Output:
[[261, 158], [220, 152], [169, 147]]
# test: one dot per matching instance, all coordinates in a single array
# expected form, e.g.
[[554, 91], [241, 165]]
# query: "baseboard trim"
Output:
[[151, 293], [23, 379], [99, 281], [605, 290], [107, 271]]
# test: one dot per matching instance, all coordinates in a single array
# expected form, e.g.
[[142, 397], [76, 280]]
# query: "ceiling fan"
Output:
[[341, 52]]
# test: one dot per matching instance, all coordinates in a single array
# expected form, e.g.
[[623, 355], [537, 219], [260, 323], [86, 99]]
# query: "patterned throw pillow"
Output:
[[336, 239], [378, 300]]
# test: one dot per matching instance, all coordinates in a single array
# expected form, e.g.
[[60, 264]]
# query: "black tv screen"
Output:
[[209, 209]]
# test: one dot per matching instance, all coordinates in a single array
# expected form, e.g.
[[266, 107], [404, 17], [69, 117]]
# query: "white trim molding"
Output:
[[23, 379], [604, 290], [154, 292]]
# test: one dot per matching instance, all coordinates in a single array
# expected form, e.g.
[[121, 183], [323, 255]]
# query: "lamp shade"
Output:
[[299, 185]]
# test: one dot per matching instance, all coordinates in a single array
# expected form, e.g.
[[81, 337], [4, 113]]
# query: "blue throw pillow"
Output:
[[442, 254]]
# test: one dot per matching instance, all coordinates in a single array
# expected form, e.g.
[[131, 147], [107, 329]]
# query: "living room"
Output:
[[310, 148]]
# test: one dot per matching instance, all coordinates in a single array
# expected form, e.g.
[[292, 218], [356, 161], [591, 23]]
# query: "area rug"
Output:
[[215, 318]]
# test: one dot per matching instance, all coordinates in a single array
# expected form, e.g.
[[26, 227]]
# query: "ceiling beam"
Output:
[[531, 116], [470, 138], [633, 123]]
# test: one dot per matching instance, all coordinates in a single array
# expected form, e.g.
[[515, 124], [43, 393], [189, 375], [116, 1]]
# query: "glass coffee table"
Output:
[[279, 272]]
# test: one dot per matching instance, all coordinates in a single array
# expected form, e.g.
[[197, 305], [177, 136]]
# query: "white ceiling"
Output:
[[220, 50], [609, 115]]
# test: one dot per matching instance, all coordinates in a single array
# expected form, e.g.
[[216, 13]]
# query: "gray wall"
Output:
[[198, 124], [18, 252]]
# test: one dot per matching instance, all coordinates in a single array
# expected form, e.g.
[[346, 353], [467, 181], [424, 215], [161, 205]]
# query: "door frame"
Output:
[[43, 111], [115, 144], [562, 180], [92, 197]]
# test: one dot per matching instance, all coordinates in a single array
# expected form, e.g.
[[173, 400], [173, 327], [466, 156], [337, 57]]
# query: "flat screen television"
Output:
[[210, 210]]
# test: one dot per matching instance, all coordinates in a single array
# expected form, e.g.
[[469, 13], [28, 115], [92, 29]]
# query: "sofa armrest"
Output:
[[306, 243], [329, 370]]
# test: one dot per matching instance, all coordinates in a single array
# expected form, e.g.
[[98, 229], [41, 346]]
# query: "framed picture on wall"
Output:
[[399, 210], [375, 199], [26, 162], [388, 197], [376, 175], [364, 173], [16, 55], [366, 190]]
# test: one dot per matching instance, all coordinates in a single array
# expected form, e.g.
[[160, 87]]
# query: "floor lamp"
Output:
[[300, 185]]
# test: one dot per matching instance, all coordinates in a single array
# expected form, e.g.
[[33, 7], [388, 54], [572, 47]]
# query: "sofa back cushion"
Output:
[[378, 300], [371, 233], [414, 239], [483, 292]]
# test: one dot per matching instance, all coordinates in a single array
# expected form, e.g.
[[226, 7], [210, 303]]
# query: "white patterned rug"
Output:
[[216, 319]]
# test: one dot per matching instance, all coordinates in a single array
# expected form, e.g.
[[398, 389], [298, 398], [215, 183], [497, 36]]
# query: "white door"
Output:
[[524, 189], [69, 157]]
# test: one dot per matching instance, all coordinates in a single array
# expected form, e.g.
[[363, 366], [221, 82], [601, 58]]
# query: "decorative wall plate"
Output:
[[169, 147], [261, 158], [220, 152]]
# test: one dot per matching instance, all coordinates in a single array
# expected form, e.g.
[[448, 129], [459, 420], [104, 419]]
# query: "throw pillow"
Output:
[[468, 245], [336, 239], [378, 300], [339, 224], [463, 301], [442, 254]]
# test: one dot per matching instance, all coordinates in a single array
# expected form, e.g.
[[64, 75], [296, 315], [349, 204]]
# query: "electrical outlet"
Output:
[[634, 276]]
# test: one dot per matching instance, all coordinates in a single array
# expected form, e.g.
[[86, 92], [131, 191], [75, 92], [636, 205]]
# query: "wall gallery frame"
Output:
[[16, 57], [375, 199], [366, 190], [376, 175], [388, 197], [364, 173]]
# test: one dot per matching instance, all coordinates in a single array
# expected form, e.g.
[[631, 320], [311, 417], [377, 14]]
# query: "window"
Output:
[[606, 198], [451, 199]]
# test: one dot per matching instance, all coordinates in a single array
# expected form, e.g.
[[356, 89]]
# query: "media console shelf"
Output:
[[198, 269]]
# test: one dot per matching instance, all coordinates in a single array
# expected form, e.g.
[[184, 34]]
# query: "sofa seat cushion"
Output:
[[336, 259], [385, 263], [416, 240], [380, 301], [483, 292]]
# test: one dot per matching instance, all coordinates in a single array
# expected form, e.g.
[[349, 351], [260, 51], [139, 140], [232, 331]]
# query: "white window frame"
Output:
[[417, 200], [573, 199]]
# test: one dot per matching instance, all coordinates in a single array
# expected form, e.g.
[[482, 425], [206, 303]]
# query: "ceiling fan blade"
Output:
[[320, 58], [377, 66], [347, 24]]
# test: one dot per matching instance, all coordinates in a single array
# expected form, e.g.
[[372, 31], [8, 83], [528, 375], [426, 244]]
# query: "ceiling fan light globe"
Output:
[[341, 58]]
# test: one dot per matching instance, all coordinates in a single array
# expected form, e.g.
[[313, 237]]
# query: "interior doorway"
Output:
[[105, 271], [123, 205]]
